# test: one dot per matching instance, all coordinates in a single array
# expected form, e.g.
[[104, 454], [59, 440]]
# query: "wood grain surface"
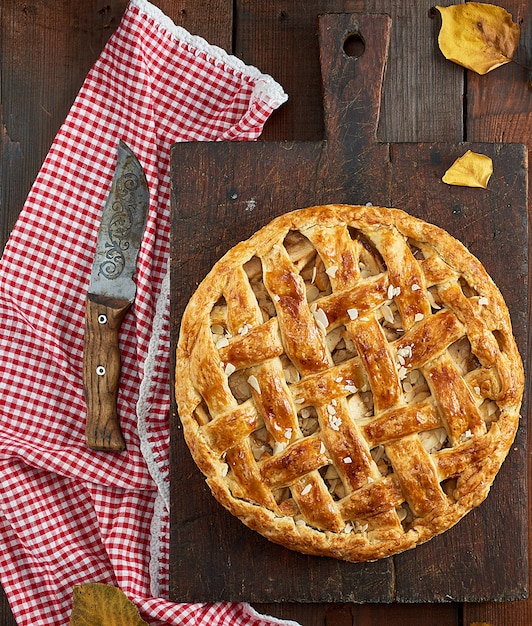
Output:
[[46, 49]]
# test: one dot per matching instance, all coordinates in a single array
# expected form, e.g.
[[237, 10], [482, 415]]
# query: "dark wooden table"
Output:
[[48, 47]]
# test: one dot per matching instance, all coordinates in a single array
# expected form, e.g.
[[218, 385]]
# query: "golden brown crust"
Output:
[[348, 381]]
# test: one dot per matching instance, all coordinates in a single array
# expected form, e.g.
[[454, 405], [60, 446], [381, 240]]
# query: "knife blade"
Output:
[[110, 294]]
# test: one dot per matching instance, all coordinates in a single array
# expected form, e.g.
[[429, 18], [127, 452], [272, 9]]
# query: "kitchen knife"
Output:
[[111, 292]]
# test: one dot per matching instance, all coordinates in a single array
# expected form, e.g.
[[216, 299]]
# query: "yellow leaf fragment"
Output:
[[96, 604], [470, 170], [477, 36]]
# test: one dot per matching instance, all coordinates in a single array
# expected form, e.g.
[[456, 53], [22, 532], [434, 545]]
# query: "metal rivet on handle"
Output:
[[102, 318], [100, 370]]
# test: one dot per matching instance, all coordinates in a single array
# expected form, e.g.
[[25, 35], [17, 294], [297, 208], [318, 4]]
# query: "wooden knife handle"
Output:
[[101, 371]]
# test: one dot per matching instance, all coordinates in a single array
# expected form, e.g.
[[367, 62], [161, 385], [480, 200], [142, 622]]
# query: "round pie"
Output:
[[348, 381]]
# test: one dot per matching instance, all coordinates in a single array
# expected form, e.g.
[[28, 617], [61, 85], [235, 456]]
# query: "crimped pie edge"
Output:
[[282, 529]]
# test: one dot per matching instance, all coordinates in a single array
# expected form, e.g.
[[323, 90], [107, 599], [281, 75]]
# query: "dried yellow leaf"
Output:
[[470, 170], [477, 36], [96, 604]]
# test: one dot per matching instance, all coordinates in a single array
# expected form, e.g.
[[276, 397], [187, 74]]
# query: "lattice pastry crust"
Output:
[[348, 381]]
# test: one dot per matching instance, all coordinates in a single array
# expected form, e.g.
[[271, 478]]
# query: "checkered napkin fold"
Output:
[[68, 515]]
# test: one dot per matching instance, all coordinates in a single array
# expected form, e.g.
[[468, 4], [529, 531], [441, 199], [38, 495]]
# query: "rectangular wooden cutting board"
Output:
[[222, 193]]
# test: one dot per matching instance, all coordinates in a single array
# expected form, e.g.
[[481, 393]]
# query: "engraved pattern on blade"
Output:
[[119, 227], [122, 228]]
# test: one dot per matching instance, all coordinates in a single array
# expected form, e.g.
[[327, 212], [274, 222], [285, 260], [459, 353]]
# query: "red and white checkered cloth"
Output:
[[69, 515]]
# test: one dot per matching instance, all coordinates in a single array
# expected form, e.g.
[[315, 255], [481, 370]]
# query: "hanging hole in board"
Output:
[[354, 45]]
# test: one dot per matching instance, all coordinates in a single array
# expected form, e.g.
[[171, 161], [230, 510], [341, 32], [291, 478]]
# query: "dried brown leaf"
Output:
[[477, 36], [470, 170], [96, 604]]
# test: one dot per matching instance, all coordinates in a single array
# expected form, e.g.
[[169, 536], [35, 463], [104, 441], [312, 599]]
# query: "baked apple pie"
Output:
[[348, 381]]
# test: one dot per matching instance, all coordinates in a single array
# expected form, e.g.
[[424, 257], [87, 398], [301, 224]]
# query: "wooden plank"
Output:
[[494, 613], [421, 102], [6, 616], [405, 615], [46, 51], [366, 614], [304, 614], [210, 19], [499, 103], [499, 107], [422, 97], [10, 198]]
